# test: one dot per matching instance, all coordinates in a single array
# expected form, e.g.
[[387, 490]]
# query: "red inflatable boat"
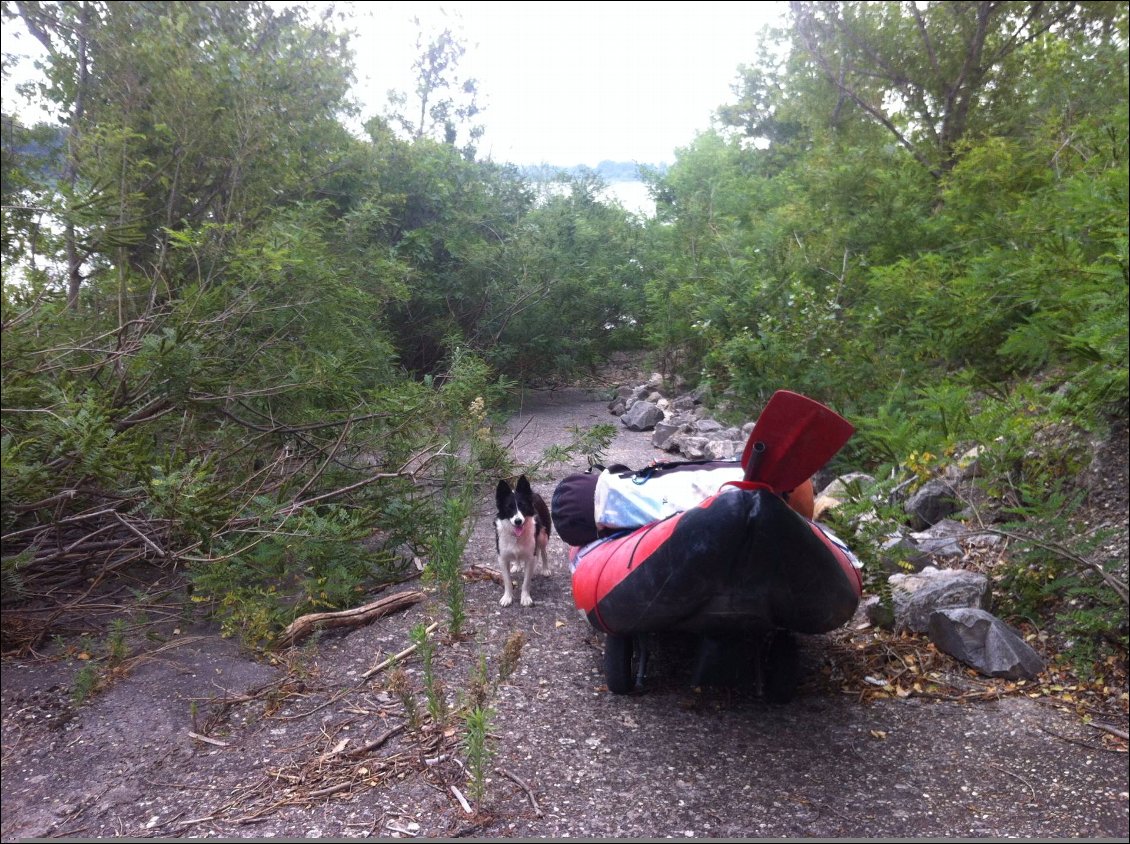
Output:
[[740, 562]]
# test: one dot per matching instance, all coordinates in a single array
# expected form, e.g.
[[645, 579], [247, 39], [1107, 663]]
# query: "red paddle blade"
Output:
[[793, 438]]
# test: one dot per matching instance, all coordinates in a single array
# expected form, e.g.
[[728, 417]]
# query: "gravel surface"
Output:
[[671, 762]]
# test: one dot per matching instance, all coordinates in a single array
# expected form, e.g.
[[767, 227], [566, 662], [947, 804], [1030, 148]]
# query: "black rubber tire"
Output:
[[618, 653], [781, 664]]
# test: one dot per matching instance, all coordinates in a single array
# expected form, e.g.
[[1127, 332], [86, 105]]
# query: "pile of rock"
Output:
[[681, 425], [949, 605]]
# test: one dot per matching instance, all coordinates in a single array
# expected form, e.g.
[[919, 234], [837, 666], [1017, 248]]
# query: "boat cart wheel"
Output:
[[618, 653], [781, 666]]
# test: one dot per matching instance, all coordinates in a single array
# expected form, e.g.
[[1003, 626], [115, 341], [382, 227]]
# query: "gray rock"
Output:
[[655, 382], [900, 553], [617, 407], [984, 540], [707, 426], [918, 596], [931, 503], [720, 449], [664, 436], [877, 612], [641, 416], [945, 529], [683, 403], [947, 538], [693, 448], [967, 466], [942, 540], [842, 489], [984, 642], [839, 488]]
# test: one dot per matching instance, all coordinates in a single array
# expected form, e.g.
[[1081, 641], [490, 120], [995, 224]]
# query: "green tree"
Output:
[[932, 73], [178, 115], [444, 105]]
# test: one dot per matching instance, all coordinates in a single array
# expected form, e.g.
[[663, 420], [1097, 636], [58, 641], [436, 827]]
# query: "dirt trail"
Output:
[[671, 762]]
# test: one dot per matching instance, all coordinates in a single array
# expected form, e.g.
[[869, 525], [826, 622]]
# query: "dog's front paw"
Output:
[[505, 600], [527, 601]]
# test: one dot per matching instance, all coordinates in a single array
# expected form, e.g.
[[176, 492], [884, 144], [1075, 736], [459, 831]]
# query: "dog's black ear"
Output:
[[523, 487], [501, 493]]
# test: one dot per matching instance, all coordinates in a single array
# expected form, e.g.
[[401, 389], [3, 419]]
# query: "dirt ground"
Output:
[[201, 740]]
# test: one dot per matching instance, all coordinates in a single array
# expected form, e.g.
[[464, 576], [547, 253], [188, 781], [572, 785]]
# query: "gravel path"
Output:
[[672, 762]]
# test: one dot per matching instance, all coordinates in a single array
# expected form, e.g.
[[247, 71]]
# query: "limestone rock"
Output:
[[931, 503], [918, 596], [984, 642], [641, 416]]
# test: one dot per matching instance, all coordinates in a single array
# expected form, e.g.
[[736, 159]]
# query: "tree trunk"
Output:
[[70, 174]]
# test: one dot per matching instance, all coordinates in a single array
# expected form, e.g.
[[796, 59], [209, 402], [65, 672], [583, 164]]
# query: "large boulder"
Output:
[[985, 643], [665, 432], [619, 402], [683, 403], [839, 489], [641, 416], [918, 596], [966, 467], [700, 394]]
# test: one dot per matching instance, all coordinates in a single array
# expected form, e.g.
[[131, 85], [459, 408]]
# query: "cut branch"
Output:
[[303, 626]]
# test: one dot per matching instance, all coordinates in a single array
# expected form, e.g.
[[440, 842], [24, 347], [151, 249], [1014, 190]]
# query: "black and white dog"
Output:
[[522, 531]]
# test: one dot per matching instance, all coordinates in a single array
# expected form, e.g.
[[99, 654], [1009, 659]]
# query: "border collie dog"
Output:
[[521, 531]]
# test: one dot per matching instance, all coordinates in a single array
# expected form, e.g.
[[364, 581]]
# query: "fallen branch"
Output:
[[375, 743], [1114, 731], [1120, 588], [303, 626], [1016, 777], [482, 572], [333, 789], [521, 784], [192, 821], [462, 800], [207, 739], [1078, 742], [381, 666]]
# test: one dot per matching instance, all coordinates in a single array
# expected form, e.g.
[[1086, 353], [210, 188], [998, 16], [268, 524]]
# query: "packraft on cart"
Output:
[[732, 549]]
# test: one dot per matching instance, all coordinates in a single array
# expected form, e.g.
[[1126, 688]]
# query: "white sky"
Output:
[[568, 83], [582, 82]]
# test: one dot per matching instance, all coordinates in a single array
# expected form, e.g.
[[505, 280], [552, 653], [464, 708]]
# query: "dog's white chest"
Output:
[[512, 546]]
